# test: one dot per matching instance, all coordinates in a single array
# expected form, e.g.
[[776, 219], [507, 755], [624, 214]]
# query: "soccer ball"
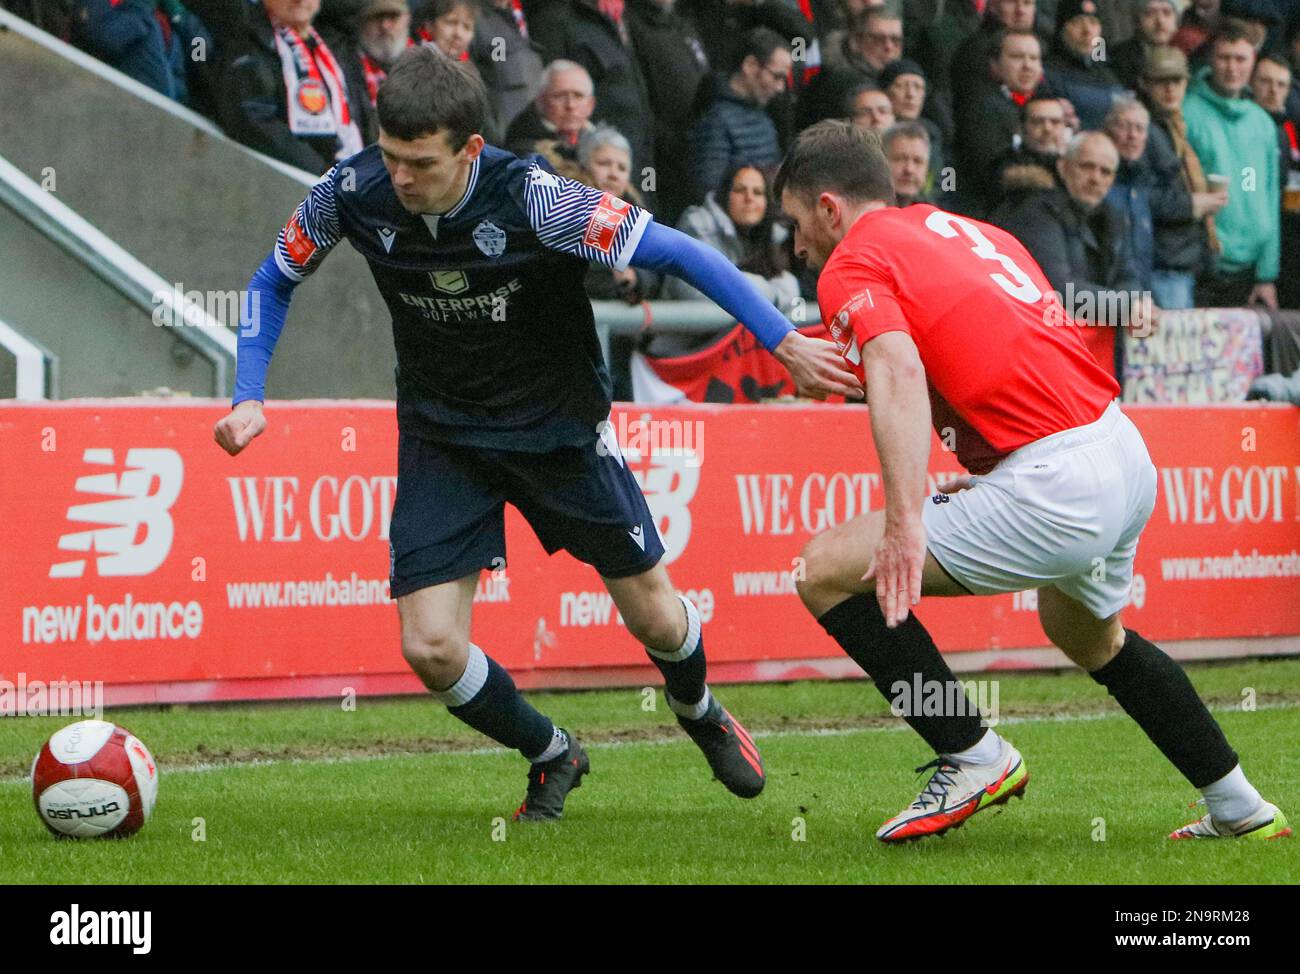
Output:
[[94, 779]]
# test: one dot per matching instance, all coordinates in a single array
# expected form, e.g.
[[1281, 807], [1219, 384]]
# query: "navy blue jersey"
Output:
[[496, 345]]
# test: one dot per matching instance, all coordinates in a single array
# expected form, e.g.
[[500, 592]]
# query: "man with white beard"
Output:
[[384, 32]]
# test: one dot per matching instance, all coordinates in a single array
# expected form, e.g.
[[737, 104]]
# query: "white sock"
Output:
[[1232, 798], [691, 711], [470, 682], [559, 744], [986, 750]]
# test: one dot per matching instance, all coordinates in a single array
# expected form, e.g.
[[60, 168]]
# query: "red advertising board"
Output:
[[138, 553]]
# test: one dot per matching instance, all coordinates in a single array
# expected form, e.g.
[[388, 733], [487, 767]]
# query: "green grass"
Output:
[[399, 792]]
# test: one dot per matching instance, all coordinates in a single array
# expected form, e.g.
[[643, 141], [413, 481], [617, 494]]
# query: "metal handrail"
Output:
[[37, 367], [117, 268], [12, 22]]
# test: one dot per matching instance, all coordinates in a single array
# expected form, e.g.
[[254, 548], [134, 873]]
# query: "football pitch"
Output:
[[397, 791]]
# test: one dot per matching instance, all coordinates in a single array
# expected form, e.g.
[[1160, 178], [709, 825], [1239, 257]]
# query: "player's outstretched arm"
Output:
[[817, 367], [900, 424], [269, 293]]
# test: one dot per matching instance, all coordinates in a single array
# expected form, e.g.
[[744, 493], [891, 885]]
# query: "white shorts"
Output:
[[1064, 511]]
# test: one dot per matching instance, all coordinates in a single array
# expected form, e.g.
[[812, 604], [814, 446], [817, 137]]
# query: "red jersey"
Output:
[[1005, 364]]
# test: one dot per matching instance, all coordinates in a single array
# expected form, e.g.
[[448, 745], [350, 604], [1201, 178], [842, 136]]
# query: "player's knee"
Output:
[[433, 647], [659, 625], [812, 573]]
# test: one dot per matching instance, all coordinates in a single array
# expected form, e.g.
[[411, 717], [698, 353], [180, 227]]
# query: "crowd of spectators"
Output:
[[1132, 145]]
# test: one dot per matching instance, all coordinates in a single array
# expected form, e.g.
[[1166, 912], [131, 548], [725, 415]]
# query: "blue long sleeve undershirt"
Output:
[[670, 251], [660, 249], [271, 289]]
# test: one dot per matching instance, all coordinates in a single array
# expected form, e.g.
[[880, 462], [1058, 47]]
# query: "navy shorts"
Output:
[[449, 514]]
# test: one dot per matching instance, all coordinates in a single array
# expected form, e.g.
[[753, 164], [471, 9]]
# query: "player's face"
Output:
[[814, 226], [428, 175], [609, 166]]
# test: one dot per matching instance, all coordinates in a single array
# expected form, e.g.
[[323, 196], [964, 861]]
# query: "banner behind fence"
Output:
[[138, 553]]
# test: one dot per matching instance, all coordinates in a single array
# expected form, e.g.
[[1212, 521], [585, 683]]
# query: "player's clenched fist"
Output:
[[237, 429]]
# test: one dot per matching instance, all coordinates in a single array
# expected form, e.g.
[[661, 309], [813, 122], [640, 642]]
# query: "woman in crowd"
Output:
[[739, 220]]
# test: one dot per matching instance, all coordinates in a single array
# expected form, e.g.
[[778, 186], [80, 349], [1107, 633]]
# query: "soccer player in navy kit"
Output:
[[501, 387]]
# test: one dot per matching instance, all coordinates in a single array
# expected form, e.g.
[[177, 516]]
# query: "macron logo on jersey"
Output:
[[386, 237]]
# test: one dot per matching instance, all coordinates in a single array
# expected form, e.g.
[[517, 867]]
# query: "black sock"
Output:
[[903, 654], [1156, 693], [497, 709], [684, 668]]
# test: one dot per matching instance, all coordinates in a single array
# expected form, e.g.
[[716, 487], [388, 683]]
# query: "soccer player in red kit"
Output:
[[948, 319]]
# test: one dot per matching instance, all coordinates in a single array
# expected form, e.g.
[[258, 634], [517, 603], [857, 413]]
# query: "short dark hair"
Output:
[[834, 156], [427, 92], [1000, 39], [433, 9], [1231, 31], [860, 21], [1274, 57], [1042, 94], [760, 43]]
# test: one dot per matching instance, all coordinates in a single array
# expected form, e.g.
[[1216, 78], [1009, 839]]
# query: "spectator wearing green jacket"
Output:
[[1236, 139]]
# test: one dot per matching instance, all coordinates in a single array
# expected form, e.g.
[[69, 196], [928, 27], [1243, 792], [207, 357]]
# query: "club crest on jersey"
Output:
[[386, 237], [490, 239], [606, 218], [449, 282]]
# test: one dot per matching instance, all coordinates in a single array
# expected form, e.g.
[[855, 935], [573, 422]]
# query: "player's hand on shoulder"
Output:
[[817, 368], [236, 429]]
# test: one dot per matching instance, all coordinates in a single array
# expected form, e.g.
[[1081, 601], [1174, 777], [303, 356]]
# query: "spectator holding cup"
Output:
[[1236, 142]]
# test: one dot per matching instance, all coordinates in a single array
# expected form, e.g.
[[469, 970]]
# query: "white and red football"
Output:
[[94, 779]]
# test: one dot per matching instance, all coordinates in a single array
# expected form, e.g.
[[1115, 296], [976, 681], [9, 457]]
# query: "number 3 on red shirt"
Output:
[[1018, 285]]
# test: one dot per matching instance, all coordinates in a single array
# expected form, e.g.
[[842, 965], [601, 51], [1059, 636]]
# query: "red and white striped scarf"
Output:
[[317, 100]]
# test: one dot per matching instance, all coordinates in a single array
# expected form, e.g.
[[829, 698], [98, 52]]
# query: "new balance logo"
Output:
[[638, 536], [386, 237], [140, 497]]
